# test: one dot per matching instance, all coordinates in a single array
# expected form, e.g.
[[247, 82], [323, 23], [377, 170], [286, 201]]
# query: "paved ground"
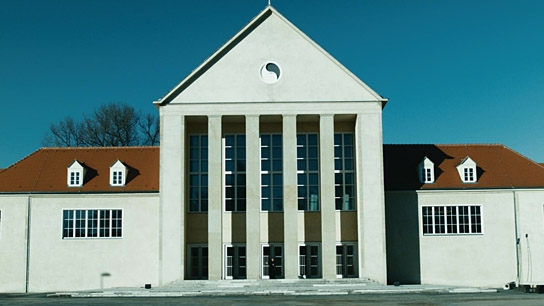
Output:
[[500, 298], [282, 292]]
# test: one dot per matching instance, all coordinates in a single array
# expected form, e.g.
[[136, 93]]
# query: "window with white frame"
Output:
[[452, 219], [346, 260], [198, 173], [92, 223], [309, 260], [469, 175], [75, 178], [235, 262], [344, 171], [308, 172], [271, 172], [235, 172]]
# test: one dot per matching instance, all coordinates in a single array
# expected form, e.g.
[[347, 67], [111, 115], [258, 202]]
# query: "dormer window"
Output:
[[426, 171], [467, 170], [118, 173], [76, 174]]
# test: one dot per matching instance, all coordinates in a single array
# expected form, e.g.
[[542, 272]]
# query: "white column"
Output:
[[172, 201], [370, 196], [253, 189], [290, 205], [215, 198], [326, 187]]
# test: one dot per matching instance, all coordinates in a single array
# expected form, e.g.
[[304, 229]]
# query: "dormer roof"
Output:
[[232, 73], [426, 171], [75, 175], [498, 167], [467, 170], [118, 173], [45, 170]]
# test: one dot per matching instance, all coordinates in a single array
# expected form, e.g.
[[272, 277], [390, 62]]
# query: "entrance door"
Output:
[[272, 252], [198, 262], [309, 261], [346, 261], [235, 262]]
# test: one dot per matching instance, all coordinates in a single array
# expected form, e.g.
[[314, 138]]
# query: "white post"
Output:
[[215, 198], [290, 205]]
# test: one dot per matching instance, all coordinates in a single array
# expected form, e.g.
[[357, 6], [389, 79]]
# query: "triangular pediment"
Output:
[[240, 71]]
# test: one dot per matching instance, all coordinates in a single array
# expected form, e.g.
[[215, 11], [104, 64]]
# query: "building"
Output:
[[470, 215], [285, 113], [79, 218], [270, 149]]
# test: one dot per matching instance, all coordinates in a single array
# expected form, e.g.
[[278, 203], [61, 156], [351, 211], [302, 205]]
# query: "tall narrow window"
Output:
[[271, 172], [92, 223], [469, 174], [235, 172], [308, 172], [344, 171], [198, 173]]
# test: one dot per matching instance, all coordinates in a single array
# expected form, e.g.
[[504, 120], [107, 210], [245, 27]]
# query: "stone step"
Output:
[[280, 285]]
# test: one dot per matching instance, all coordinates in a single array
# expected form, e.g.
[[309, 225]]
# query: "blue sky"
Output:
[[454, 71]]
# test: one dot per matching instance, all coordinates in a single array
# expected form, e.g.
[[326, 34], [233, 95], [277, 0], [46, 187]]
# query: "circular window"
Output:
[[270, 72]]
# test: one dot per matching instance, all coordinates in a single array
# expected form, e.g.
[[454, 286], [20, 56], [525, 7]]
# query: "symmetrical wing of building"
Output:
[[271, 165]]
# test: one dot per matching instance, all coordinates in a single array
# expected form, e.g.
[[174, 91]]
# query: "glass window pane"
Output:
[[312, 139], [278, 205], [265, 204]]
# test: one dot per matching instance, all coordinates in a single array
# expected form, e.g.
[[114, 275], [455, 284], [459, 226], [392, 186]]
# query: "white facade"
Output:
[[44, 260]]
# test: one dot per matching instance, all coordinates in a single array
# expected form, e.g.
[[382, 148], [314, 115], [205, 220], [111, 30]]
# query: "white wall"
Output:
[[76, 264], [13, 243], [487, 259], [530, 209]]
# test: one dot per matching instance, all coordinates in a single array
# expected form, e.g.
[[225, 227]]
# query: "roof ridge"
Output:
[[100, 148], [20, 161], [523, 156], [506, 174], [445, 144]]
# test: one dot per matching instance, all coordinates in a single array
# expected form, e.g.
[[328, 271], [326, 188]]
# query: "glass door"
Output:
[[309, 261], [272, 264]]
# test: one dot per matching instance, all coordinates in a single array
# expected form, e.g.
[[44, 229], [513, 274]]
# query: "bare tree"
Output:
[[111, 125], [149, 126]]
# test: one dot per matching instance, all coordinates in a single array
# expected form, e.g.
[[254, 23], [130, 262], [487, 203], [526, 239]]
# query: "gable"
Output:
[[233, 73]]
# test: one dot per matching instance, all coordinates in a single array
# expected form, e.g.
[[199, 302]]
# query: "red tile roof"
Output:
[[497, 167], [45, 171]]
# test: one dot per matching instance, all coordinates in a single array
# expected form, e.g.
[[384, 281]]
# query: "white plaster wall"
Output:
[[13, 243], [76, 264], [488, 259], [530, 204]]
